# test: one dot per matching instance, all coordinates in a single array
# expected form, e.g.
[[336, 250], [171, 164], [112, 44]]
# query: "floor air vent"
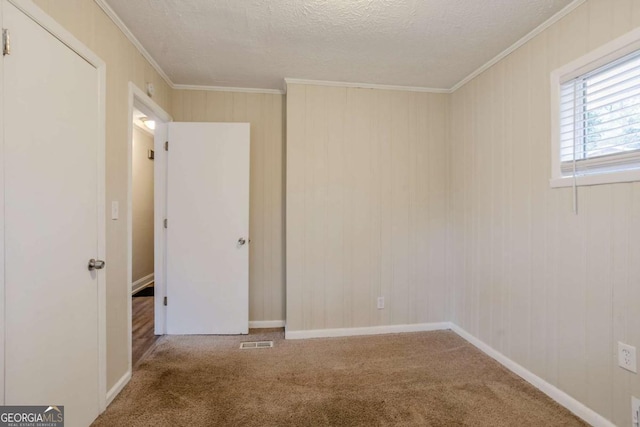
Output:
[[256, 344]]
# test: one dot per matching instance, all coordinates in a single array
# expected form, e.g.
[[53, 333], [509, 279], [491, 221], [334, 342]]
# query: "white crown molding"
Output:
[[125, 30], [228, 89], [289, 80], [546, 24], [129, 35]]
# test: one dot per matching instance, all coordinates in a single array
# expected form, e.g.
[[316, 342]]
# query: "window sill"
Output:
[[597, 179]]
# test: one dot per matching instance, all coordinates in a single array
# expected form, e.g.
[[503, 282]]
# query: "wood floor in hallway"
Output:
[[142, 328]]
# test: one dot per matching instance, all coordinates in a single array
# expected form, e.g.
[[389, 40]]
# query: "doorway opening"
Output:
[[142, 246], [146, 162]]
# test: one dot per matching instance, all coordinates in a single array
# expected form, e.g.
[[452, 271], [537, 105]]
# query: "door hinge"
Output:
[[166, 222], [6, 42], [165, 300], [166, 146]]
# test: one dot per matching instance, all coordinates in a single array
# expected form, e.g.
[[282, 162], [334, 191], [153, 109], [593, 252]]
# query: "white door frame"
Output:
[[138, 98], [48, 23]]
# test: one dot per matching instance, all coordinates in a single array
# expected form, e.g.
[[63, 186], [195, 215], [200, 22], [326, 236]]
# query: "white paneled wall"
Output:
[[551, 290], [366, 207], [266, 213]]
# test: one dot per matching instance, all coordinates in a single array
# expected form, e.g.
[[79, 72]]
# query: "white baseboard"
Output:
[[117, 387], [263, 324], [369, 330], [141, 283], [550, 390], [562, 398]]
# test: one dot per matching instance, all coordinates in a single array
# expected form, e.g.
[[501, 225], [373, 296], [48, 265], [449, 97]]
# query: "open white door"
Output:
[[208, 228], [53, 220]]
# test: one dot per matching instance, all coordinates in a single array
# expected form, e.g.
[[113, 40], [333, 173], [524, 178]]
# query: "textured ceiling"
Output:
[[256, 43]]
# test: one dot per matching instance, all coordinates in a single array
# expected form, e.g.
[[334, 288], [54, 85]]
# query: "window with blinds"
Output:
[[600, 119]]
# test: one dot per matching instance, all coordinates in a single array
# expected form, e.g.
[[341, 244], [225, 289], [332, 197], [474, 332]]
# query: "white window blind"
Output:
[[600, 119]]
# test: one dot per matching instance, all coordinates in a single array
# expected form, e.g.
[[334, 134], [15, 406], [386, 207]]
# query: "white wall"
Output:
[[142, 168], [266, 212], [551, 290], [366, 207]]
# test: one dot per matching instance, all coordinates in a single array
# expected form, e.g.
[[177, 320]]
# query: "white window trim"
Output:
[[611, 51]]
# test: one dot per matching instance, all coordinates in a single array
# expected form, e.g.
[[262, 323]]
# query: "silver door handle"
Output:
[[96, 264], [241, 241]]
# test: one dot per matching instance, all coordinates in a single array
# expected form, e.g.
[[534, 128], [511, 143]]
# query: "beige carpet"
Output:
[[416, 379]]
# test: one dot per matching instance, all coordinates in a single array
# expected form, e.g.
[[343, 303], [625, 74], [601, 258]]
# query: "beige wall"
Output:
[[549, 289], [142, 169], [266, 213], [370, 197], [85, 20], [366, 207]]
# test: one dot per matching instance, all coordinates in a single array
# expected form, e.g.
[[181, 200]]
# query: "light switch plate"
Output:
[[115, 210]]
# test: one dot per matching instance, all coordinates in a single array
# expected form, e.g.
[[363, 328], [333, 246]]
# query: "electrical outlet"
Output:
[[627, 357], [380, 303], [635, 411]]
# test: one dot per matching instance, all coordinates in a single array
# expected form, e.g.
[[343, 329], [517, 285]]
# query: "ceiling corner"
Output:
[[536, 31], [129, 35]]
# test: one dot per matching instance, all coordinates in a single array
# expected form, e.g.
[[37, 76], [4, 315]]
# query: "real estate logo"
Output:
[[32, 416]]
